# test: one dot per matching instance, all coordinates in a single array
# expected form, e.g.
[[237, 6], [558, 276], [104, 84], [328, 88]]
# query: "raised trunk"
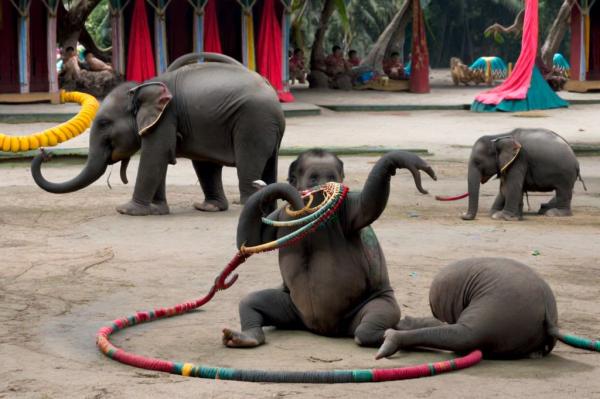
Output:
[[250, 227], [557, 33], [474, 179], [93, 169]]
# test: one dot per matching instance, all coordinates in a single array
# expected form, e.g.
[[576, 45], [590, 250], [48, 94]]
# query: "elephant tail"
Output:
[[574, 340], [581, 180]]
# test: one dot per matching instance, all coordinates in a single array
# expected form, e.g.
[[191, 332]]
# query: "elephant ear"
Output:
[[150, 101], [293, 173], [508, 151]]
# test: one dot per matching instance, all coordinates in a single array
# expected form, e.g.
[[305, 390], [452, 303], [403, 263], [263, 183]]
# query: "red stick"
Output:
[[444, 198]]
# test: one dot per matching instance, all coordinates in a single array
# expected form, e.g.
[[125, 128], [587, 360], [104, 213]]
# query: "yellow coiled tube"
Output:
[[55, 135]]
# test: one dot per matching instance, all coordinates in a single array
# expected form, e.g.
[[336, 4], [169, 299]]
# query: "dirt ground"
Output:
[[70, 263]]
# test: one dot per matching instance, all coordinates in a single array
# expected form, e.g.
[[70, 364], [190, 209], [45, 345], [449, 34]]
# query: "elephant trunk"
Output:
[[249, 232], [93, 169], [474, 181]]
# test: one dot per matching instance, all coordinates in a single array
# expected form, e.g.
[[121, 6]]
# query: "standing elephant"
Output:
[[497, 305], [215, 114], [335, 281], [524, 160]]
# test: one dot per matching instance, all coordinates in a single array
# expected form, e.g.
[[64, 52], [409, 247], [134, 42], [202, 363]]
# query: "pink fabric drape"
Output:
[[140, 58], [517, 84], [212, 39]]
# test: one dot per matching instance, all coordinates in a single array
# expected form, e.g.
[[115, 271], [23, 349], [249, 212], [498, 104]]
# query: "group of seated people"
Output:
[[335, 65], [72, 66], [89, 74]]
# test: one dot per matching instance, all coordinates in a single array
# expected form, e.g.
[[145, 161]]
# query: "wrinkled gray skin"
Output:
[[497, 305], [335, 281], [216, 114], [535, 168]]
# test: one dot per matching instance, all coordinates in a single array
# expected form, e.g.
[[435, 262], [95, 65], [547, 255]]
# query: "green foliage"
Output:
[[98, 24]]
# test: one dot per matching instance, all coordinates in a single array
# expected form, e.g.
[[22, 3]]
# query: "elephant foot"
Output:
[[133, 208], [391, 344], [503, 215], [467, 216], [159, 208], [557, 212], [211, 206], [234, 339]]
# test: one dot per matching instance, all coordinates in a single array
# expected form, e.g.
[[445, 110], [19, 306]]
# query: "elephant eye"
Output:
[[103, 123]]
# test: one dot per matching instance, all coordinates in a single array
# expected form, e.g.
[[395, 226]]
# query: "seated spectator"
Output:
[[353, 59], [298, 67], [336, 64], [70, 67], [393, 68], [95, 64]]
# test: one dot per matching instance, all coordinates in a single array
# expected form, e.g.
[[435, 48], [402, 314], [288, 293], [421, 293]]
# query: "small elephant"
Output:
[[216, 114], [497, 305], [335, 281], [524, 160]]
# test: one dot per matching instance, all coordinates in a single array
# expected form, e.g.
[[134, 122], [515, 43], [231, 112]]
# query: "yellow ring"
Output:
[[65, 131]]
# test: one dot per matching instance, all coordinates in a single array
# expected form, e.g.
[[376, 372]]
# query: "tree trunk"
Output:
[[392, 39], [71, 28], [557, 32], [317, 53]]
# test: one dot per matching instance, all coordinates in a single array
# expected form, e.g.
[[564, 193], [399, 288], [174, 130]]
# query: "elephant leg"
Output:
[[373, 319], [562, 206], [209, 175], [158, 149], [512, 190], [498, 204], [451, 337], [273, 307], [159, 204], [415, 323], [548, 205], [269, 174]]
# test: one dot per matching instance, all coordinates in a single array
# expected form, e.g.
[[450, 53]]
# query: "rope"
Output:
[[335, 194], [55, 135], [455, 198], [578, 342]]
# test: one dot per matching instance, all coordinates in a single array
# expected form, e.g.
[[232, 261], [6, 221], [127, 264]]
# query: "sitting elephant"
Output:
[[524, 160], [212, 113], [335, 280], [497, 305]]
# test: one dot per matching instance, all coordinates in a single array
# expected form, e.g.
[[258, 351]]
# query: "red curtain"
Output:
[[269, 48], [38, 52], [180, 24], [212, 40], [140, 58], [9, 62], [419, 67]]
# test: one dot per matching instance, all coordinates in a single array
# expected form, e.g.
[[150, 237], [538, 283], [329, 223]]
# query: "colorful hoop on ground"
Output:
[[334, 194]]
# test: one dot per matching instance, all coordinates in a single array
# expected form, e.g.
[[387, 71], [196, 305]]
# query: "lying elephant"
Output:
[[212, 113], [497, 305], [335, 281], [524, 160]]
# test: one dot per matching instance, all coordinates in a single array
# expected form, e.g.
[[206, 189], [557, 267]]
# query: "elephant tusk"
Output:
[[446, 198], [124, 164], [55, 135]]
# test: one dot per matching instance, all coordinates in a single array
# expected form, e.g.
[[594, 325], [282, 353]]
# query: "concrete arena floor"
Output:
[[70, 263]]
